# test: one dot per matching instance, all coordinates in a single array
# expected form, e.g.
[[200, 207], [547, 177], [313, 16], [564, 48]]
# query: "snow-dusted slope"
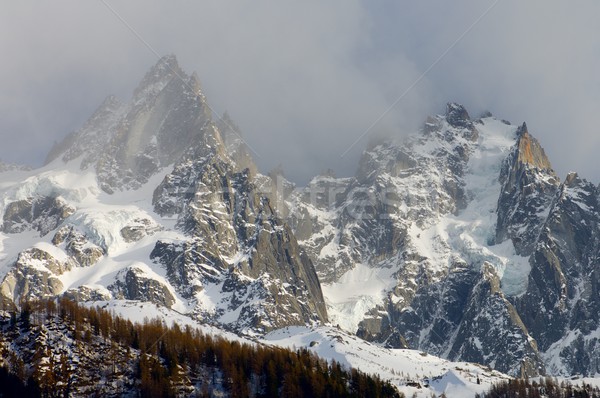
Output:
[[413, 372], [408, 246], [431, 245]]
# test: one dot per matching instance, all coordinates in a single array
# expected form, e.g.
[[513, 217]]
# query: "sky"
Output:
[[309, 83]]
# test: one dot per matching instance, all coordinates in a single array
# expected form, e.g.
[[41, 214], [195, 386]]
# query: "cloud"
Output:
[[304, 80], [525, 61]]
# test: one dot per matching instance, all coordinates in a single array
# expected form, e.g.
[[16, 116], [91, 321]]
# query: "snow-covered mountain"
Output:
[[151, 201], [459, 241], [455, 241]]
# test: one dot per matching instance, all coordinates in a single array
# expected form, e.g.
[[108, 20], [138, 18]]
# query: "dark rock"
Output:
[[135, 284], [222, 212], [457, 115], [42, 214], [563, 296]]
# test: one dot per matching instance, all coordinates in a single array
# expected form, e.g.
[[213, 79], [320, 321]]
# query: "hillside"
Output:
[[63, 349]]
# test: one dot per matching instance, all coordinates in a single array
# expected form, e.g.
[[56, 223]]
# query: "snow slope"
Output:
[[442, 238], [413, 372]]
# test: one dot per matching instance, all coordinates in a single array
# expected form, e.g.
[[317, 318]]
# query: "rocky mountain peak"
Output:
[[409, 250], [572, 180], [458, 118], [528, 187], [457, 115], [159, 75], [126, 144], [530, 151]]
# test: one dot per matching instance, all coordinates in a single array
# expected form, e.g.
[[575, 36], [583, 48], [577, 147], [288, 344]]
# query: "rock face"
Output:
[[133, 283], [314, 216], [562, 299], [237, 244], [42, 214], [367, 219], [76, 245], [528, 187], [33, 275], [37, 271], [127, 144], [491, 323]]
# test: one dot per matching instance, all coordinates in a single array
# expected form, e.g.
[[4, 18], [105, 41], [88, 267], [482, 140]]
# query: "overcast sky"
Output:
[[304, 80]]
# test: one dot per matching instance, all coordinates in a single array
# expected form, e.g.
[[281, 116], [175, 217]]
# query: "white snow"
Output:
[[98, 215], [552, 356], [469, 234], [441, 238], [401, 367], [12, 244], [56, 252], [357, 291]]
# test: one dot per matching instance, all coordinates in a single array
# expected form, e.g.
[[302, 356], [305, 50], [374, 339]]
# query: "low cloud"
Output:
[[305, 80]]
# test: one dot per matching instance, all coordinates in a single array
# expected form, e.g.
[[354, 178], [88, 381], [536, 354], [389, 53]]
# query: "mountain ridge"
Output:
[[447, 241]]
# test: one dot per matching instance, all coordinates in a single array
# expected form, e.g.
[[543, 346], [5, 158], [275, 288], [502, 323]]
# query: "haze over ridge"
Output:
[[304, 82]]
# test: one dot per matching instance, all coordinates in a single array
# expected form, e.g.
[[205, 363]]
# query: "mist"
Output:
[[305, 81]]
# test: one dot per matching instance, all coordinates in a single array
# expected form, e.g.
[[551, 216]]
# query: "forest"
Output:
[[58, 348], [545, 388]]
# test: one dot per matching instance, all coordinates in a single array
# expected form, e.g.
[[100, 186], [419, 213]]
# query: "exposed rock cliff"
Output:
[[528, 187]]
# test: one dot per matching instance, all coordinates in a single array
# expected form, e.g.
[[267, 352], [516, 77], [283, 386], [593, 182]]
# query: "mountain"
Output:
[[450, 241], [151, 201], [458, 240]]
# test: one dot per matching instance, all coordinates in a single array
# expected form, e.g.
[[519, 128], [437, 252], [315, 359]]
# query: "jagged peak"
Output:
[[165, 69], [457, 115], [575, 183], [165, 64], [572, 179], [522, 130], [529, 150]]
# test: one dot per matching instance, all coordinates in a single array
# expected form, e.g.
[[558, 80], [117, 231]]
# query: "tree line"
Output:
[[544, 388]]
